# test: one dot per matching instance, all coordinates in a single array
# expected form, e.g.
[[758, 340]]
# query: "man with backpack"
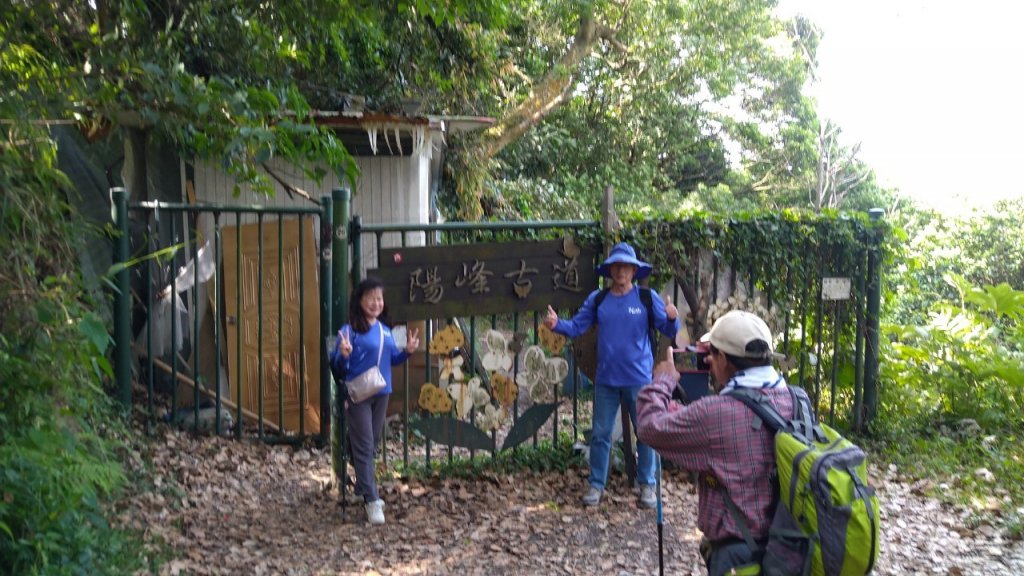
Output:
[[714, 437], [755, 436], [625, 314]]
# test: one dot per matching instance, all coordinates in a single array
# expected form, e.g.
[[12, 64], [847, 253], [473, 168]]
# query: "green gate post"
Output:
[[356, 233], [326, 325], [342, 214], [859, 304], [874, 296], [122, 302], [342, 198]]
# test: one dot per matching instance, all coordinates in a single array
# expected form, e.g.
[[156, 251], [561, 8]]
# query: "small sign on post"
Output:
[[835, 288]]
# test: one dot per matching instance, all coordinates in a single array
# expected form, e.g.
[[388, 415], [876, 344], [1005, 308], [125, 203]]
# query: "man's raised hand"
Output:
[[667, 365], [551, 318], [671, 312]]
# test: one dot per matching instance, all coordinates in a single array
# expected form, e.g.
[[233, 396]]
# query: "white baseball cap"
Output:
[[741, 334]]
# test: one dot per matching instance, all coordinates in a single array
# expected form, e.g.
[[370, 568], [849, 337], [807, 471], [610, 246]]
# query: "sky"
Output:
[[930, 89]]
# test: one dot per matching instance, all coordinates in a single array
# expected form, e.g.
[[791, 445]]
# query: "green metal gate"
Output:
[[163, 230], [834, 333], [814, 311]]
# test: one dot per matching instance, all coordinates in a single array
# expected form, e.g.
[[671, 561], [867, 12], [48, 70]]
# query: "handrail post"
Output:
[[859, 304], [356, 233], [342, 214], [122, 302], [326, 327], [871, 336]]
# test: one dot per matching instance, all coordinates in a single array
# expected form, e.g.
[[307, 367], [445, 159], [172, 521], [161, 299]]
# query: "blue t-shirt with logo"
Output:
[[624, 356]]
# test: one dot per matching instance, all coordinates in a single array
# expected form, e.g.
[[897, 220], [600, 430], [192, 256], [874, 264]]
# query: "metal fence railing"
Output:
[[245, 341], [214, 303]]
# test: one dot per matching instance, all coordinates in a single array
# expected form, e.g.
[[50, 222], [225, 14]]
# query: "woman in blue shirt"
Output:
[[362, 343]]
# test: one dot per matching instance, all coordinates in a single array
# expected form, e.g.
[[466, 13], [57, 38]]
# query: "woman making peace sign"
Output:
[[362, 343]]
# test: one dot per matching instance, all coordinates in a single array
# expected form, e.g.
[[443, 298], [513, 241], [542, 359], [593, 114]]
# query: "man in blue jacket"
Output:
[[624, 360]]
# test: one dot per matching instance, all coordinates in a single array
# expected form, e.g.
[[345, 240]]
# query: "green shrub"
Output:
[[58, 470], [964, 362]]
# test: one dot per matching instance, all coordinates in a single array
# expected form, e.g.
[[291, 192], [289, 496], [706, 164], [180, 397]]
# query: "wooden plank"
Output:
[[210, 395]]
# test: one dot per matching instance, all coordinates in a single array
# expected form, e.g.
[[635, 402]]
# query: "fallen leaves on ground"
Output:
[[228, 507]]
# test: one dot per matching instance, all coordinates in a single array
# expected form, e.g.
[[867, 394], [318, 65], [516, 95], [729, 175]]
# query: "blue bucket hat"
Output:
[[623, 253]]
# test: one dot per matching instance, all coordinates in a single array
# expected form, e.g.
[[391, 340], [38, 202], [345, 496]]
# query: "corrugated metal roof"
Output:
[[378, 133]]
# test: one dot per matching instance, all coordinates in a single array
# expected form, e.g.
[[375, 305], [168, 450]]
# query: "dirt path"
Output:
[[227, 507]]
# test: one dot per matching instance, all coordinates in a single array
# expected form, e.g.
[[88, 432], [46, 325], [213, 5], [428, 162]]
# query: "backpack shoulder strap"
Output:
[[804, 422], [766, 414], [648, 301], [762, 408], [600, 298]]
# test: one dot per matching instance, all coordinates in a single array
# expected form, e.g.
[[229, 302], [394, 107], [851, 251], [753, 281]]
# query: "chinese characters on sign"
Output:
[[522, 284], [427, 282], [567, 276], [476, 276], [473, 279]]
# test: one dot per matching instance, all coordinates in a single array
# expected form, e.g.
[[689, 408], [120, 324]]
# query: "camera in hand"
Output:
[[694, 383], [692, 386]]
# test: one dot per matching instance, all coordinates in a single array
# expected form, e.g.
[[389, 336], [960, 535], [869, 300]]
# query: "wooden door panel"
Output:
[[279, 382]]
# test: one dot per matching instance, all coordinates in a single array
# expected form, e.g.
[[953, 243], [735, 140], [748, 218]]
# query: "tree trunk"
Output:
[[547, 94], [133, 173]]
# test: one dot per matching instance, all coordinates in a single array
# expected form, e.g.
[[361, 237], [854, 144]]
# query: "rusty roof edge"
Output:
[[456, 123], [358, 119]]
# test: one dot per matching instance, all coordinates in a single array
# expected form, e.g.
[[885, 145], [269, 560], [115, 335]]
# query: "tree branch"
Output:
[[551, 91], [291, 190]]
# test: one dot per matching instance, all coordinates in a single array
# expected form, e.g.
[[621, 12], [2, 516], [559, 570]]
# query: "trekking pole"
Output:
[[661, 522], [344, 463]]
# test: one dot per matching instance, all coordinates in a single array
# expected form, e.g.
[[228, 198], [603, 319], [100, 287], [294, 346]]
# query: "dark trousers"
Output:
[[722, 558], [365, 428]]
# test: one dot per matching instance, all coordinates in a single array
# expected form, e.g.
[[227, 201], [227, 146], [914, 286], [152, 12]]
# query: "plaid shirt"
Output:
[[715, 437]]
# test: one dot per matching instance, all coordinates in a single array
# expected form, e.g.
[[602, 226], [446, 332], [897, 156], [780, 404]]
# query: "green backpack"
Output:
[[826, 517]]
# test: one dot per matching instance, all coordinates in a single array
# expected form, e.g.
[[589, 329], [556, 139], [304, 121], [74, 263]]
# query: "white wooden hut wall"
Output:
[[391, 189]]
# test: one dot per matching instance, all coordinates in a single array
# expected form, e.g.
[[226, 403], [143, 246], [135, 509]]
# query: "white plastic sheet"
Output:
[[161, 315]]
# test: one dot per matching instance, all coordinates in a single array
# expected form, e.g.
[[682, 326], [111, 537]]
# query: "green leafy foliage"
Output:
[[980, 247], [965, 361], [697, 105], [238, 83], [954, 345], [764, 244], [53, 484], [58, 468]]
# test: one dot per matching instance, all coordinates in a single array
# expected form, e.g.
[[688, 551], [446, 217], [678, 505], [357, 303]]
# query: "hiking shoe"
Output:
[[375, 511], [592, 497], [648, 498]]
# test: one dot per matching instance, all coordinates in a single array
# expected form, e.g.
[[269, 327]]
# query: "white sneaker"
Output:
[[375, 511], [648, 496], [592, 497]]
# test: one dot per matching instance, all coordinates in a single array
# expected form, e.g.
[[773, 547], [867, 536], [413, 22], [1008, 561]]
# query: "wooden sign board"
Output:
[[480, 279]]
